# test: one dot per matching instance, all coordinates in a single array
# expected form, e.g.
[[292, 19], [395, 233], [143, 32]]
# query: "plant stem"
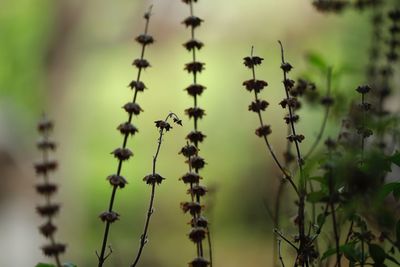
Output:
[[303, 189], [102, 257], [143, 238]]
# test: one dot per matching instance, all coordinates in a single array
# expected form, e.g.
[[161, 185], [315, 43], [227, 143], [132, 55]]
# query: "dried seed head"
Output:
[[192, 21], [364, 89], [253, 61], [153, 179], [192, 44], [197, 162], [163, 125], [365, 106], [47, 229], [189, 1], [117, 180], [197, 234], [109, 216], [195, 137], [137, 85], [44, 144], [48, 210], [192, 207], [196, 113], [258, 105], [132, 108], [44, 167], [45, 125], [122, 153], [330, 143], [263, 131], [195, 89], [298, 137], [53, 249], [190, 178], [197, 190], [288, 83], [291, 101], [46, 189], [145, 39], [364, 132], [199, 221], [394, 15], [127, 128], [194, 67], [199, 262], [256, 85], [286, 67], [141, 63], [188, 150], [291, 119], [327, 101], [288, 156]]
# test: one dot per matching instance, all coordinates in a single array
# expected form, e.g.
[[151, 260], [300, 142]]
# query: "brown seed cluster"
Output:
[[47, 189], [126, 129], [191, 151]]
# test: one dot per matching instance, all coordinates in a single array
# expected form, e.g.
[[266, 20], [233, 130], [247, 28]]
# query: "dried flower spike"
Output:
[[47, 189]]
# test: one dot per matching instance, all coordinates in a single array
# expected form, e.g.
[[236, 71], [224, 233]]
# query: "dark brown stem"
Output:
[[143, 238], [102, 257]]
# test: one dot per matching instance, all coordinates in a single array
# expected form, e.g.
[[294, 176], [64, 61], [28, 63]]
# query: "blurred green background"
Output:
[[72, 59]]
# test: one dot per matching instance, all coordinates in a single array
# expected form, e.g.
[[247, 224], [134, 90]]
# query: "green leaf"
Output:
[[314, 197], [395, 158], [349, 252], [68, 264], [392, 259], [386, 189], [317, 61], [377, 253], [44, 265], [328, 253]]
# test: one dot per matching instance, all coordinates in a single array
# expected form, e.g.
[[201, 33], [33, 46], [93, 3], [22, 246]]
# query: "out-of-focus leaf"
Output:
[[395, 158], [377, 253], [349, 252], [392, 259], [44, 265], [386, 189], [317, 61], [328, 253], [68, 264], [314, 197]]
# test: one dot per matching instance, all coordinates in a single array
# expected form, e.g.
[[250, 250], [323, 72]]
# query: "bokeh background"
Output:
[[72, 59]]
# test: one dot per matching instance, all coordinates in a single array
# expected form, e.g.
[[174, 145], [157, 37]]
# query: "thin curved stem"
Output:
[[324, 120], [143, 238]]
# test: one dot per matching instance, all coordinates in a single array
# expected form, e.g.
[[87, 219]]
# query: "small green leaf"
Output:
[[395, 158], [40, 264], [386, 189], [314, 197], [377, 253], [316, 60], [349, 252], [392, 259], [328, 253]]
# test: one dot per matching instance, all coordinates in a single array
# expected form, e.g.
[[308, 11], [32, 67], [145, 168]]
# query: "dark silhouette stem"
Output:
[[143, 238], [325, 119], [102, 257]]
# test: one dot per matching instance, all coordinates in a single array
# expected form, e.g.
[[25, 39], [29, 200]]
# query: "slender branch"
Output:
[[280, 255], [102, 257], [276, 231], [153, 180], [325, 119]]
